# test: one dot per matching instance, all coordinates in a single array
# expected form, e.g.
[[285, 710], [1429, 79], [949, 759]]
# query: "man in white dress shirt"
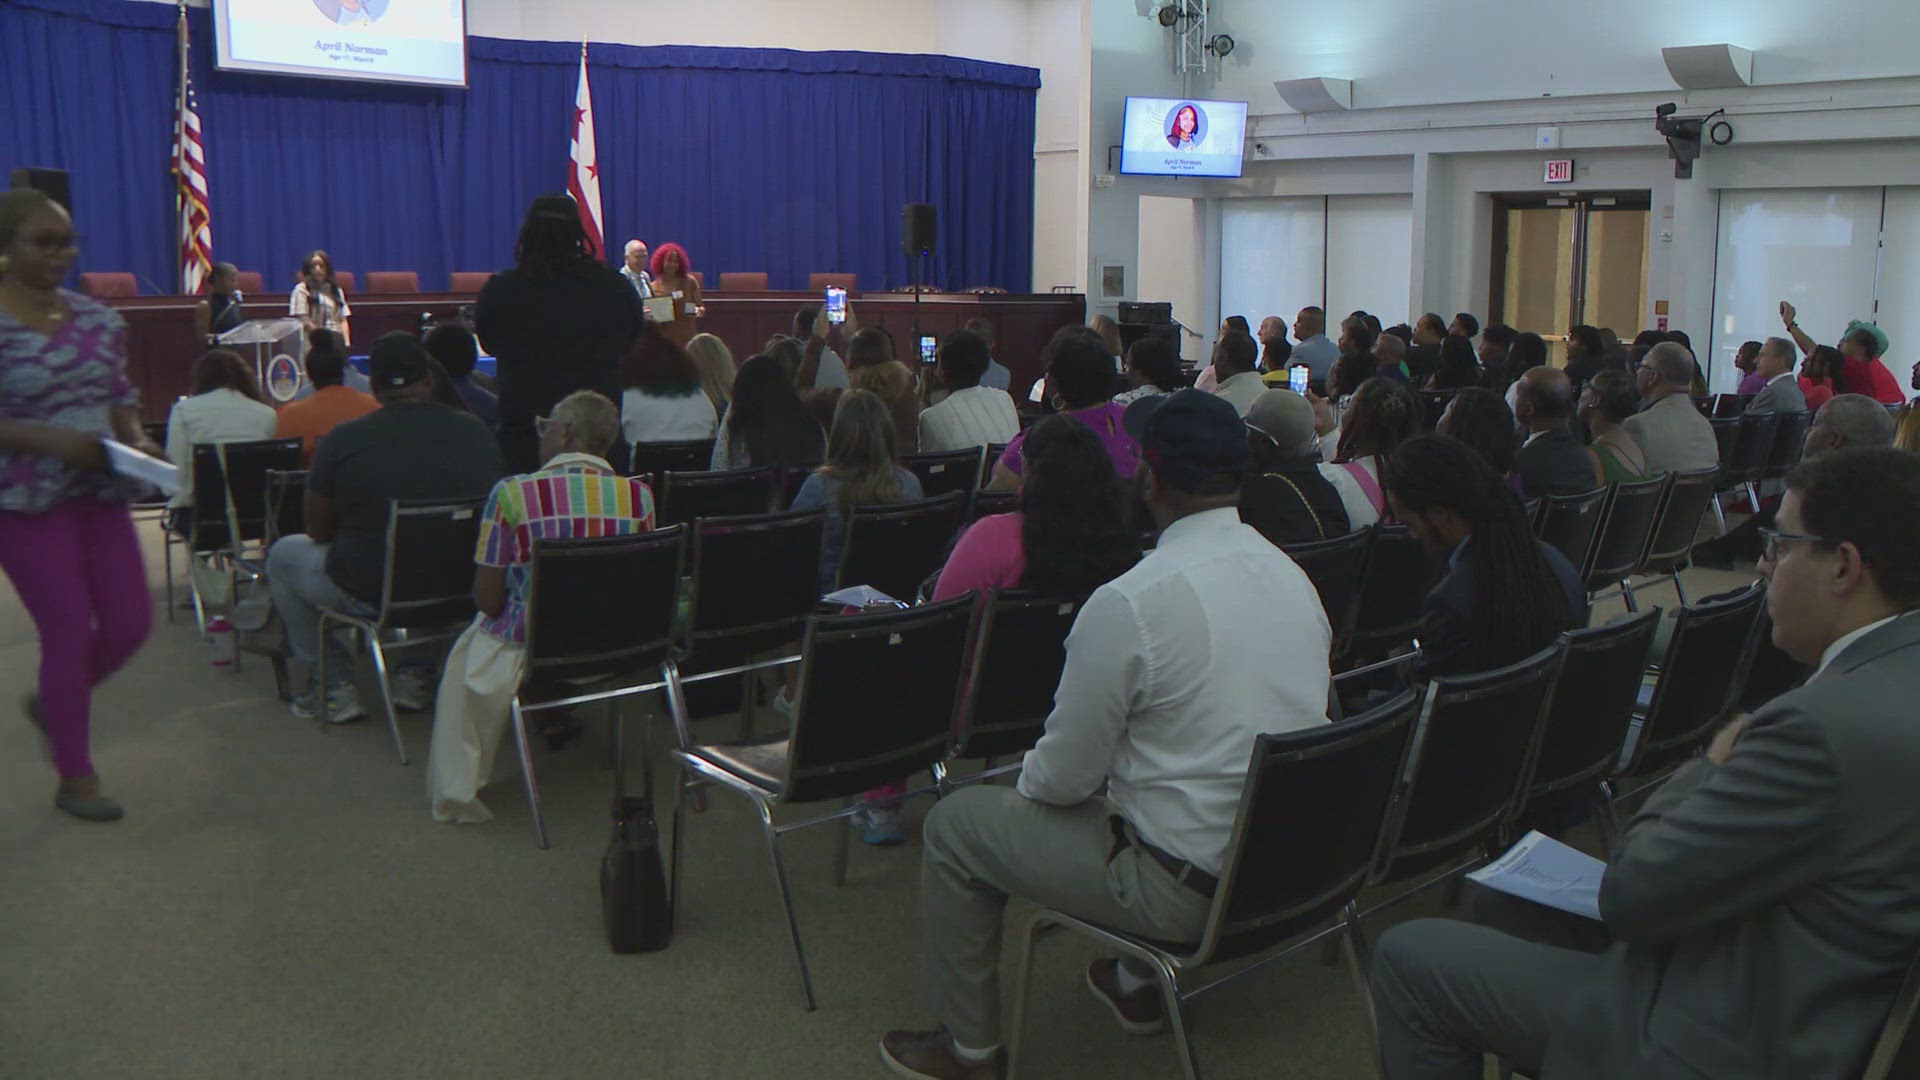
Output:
[[971, 415], [635, 271], [1169, 676]]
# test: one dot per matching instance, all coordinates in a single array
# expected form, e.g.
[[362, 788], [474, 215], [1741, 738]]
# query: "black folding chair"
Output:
[[953, 470], [1897, 1052], [987, 503], [894, 547], [654, 458], [1699, 681], [1433, 405], [1336, 567], [1393, 592], [1313, 818], [1017, 660], [1789, 439], [286, 509], [1731, 404], [152, 505], [229, 502], [792, 479], [876, 702], [599, 610], [1591, 708], [1752, 446], [992, 458], [1625, 528], [1472, 765], [1571, 523], [682, 497], [426, 590], [1670, 547]]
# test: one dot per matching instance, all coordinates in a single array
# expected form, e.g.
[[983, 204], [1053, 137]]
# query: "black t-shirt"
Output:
[[412, 451], [1294, 504], [551, 336]]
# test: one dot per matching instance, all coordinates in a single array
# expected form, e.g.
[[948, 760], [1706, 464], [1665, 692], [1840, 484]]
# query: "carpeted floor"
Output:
[[279, 903]]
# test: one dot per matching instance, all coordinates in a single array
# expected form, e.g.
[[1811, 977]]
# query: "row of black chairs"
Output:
[[938, 473], [1612, 533], [1755, 447]]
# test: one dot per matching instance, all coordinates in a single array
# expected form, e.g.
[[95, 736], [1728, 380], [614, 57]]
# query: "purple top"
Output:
[[1753, 383], [1105, 420], [75, 377]]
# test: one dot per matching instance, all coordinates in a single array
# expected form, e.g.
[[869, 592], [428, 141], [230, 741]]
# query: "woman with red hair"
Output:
[[673, 276]]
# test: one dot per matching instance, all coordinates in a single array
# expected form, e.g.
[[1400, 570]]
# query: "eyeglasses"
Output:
[[1774, 538]]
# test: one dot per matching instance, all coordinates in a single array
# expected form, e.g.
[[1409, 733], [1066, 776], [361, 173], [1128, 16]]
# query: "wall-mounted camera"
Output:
[[1683, 136]]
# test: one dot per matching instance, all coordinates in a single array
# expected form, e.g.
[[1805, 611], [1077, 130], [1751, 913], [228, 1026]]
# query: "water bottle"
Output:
[[225, 641]]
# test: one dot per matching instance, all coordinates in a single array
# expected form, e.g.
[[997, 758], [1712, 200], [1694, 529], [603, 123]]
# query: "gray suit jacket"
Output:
[[1675, 437], [1781, 395], [1765, 910]]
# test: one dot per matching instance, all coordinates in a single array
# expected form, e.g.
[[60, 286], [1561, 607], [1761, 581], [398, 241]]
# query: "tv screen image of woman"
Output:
[[1186, 128]]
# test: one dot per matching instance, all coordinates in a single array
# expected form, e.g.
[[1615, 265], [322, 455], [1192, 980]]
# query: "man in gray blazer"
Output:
[[1672, 433], [1782, 392], [1765, 903]]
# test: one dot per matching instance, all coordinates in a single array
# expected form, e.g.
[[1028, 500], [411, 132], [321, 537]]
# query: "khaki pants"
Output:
[[986, 843]]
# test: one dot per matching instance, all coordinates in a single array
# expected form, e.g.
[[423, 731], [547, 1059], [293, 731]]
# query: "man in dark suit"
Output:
[[1782, 392], [1765, 902], [1423, 352], [1552, 461]]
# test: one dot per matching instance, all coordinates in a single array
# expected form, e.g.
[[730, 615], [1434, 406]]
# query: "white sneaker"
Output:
[[343, 704], [413, 690]]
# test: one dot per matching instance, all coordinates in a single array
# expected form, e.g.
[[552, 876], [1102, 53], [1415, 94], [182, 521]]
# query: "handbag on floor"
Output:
[[633, 881]]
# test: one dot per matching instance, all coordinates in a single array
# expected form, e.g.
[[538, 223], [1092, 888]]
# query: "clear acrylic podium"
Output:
[[279, 351]]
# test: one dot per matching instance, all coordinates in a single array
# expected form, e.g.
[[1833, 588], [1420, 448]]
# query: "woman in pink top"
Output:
[[1081, 379]]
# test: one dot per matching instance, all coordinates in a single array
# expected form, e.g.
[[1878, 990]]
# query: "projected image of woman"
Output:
[[1184, 132], [352, 12]]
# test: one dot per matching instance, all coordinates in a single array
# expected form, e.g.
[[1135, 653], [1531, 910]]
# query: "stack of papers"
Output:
[[860, 596], [1546, 871], [135, 465]]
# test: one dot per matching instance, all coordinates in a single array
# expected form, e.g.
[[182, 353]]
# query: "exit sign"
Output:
[[1560, 171]]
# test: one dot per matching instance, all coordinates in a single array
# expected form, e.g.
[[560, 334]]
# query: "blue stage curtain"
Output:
[[753, 159]]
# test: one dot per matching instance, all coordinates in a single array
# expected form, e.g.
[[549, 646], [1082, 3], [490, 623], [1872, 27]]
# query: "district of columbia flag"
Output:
[[190, 179], [583, 180]]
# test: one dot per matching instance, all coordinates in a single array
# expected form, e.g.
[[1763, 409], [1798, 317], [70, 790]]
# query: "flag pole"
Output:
[[179, 138]]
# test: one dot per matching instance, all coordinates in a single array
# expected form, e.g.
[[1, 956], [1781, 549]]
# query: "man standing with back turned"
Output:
[[1765, 902], [1169, 676]]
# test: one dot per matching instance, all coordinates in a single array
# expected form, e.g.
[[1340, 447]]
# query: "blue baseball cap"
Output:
[[1189, 436]]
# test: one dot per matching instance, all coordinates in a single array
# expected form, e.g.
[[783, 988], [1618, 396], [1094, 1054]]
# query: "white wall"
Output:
[[1175, 265]]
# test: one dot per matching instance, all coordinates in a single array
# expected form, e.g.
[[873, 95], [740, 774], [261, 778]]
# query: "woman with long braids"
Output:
[[1505, 595]]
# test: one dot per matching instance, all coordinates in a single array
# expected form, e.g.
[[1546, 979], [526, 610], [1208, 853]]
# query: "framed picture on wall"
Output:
[[1113, 281]]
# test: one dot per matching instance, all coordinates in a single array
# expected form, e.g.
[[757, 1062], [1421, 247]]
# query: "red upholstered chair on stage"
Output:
[[251, 283], [101, 284], [393, 281], [467, 280], [699, 278], [823, 282], [743, 281]]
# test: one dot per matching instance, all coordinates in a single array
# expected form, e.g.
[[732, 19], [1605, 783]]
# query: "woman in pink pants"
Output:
[[66, 537]]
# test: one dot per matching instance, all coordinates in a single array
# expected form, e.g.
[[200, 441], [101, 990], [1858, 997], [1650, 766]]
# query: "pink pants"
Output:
[[78, 570]]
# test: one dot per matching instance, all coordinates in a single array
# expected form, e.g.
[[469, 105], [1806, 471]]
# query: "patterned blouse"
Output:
[[575, 496], [74, 376]]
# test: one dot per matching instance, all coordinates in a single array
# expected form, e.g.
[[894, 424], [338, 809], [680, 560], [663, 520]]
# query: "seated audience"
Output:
[[1614, 356], [1527, 352], [1069, 536], [832, 370], [1585, 351], [1423, 353], [1906, 433], [1605, 404], [1459, 367], [871, 367], [766, 426], [862, 469], [1820, 379], [1495, 342], [998, 377], [1464, 325], [1847, 420], [453, 345], [1314, 349], [1153, 368], [1109, 333], [331, 404], [1861, 348], [223, 405], [1779, 390], [1479, 418], [1234, 357], [1382, 415], [1289, 494], [1745, 361], [1143, 714], [790, 352], [575, 494], [1356, 363], [971, 415], [1551, 461], [1671, 432], [1764, 903], [1506, 594], [1276, 352], [661, 399], [714, 361], [411, 448], [1390, 359], [1080, 380]]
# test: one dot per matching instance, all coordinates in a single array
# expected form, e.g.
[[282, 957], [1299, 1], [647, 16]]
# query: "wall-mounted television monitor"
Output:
[[397, 41], [1183, 137]]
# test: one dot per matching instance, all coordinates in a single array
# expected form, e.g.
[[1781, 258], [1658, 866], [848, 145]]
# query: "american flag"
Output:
[[583, 179], [190, 180]]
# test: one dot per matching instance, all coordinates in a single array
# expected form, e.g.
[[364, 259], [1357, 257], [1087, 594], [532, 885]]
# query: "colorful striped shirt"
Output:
[[575, 496]]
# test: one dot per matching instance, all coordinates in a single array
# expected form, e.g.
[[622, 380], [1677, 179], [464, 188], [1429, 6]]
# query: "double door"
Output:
[[1561, 261]]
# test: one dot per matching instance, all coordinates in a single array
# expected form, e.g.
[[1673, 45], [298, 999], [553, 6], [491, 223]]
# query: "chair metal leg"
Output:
[[526, 772], [786, 901], [1719, 514], [682, 723], [386, 692], [749, 690], [1359, 962], [1022, 989], [1753, 497], [680, 786], [1679, 589], [1607, 819], [1177, 1018], [318, 678], [166, 553], [1626, 593]]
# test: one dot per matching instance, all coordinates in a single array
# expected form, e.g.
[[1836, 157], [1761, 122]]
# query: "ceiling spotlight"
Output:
[[1169, 15], [1220, 45]]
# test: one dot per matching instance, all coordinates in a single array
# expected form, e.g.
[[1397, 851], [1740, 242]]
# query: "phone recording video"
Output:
[[928, 347], [1297, 378], [836, 305]]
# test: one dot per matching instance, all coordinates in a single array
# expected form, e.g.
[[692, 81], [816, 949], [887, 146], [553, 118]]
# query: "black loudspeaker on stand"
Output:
[[918, 224]]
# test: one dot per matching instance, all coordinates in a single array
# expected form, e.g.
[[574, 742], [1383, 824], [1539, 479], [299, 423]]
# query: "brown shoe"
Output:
[[928, 1055], [1139, 1013]]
